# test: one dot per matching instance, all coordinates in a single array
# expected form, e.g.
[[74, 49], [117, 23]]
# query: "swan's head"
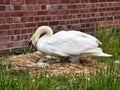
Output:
[[41, 31]]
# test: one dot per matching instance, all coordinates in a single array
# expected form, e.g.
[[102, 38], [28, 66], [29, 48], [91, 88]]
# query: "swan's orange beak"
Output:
[[30, 46]]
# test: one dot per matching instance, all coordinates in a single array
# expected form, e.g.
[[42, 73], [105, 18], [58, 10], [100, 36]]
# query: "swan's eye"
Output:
[[30, 42]]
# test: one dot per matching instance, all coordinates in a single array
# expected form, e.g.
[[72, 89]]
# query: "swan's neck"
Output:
[[42, 30]]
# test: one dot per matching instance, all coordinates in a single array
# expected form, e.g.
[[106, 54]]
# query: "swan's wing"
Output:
[[85, 35], [67, 43]]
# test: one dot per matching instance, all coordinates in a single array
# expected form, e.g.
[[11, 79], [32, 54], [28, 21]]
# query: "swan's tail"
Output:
[[102, 54], [97, 52]]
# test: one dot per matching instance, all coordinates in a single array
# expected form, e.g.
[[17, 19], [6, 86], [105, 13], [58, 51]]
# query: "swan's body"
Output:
[[66, 43]]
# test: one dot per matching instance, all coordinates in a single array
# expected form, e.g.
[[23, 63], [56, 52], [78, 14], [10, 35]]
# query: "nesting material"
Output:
[[36, 63]]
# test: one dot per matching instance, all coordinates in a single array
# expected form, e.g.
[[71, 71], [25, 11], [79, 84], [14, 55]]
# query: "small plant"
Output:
[[22, 51]]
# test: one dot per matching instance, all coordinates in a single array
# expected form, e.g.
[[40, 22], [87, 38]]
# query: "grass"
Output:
[[22, 51], [103, 80]]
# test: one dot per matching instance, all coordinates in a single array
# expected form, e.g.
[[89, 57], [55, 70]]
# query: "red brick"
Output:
[[55, 12], [54, 23], [17, 26], [93, 10], [3, 20], [30, 30], [30, 25], [3, 33], [24, 7], [64, 7], [30, 7], [2, 8], [17, 2], [64, 12], [42, 18], [15, 38], [43, 7], [84, 1], [4, 39], [37, 7], [17, 7], [10, 32], [75, 26], [75, 16], [64, 22], [83, 20], [117, 8], [16, 32], [24, 43], [3, 46], [16, 14], [5, 51], [36, 18], [5, 14], [65, 1], [29, 13], [27, 19], [42, 23], [4, 27], [61, 17], [93, 1], [74, 11], [72, 7], [74, 21], [44, 1], [42, 13], [9, 8], [4, 1], [102, 0], [117, 17], [85, 10], [23, 31], [58, 28], [16, 44], [109, 0], [49, 18], [30, 35], [92, 20], [30, 19], [65, 17], [55, 1], [85, 5], [54, 17], [64, 27], [108, 18], [30, 1], [24, 37], [60, 7], [9, 20], [24, 19], [101, 9], [75, 1], [9, 45]]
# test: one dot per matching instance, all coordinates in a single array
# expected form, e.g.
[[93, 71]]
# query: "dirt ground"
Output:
[[36, 63]]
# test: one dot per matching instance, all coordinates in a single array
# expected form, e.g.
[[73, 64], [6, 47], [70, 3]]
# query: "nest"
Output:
[[36, 63]]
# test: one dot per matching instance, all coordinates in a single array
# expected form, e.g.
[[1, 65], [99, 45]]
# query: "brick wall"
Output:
[[20, 18]]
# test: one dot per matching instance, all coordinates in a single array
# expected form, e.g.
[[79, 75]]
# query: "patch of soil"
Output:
[[36, 63]]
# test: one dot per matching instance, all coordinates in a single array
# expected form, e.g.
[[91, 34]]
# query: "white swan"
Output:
[[73, 43]]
